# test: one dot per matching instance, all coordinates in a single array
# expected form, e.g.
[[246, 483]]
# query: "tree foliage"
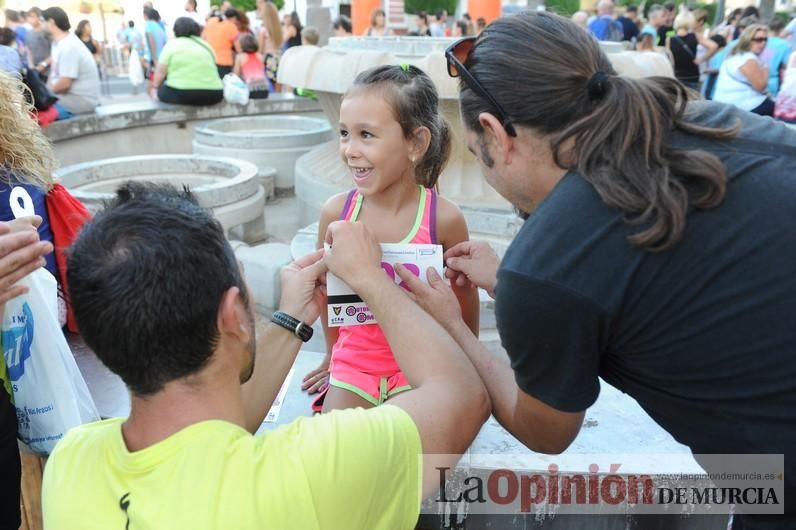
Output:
[[244, 5], [430, 6], [564, 8]]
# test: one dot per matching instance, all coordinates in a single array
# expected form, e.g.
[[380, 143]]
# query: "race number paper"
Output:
[[346, 308]]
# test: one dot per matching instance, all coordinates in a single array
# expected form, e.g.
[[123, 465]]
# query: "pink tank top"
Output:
[[253, 69], [366, 346]]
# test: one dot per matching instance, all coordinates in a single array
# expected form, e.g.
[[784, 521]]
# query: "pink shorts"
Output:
[[373, 388]]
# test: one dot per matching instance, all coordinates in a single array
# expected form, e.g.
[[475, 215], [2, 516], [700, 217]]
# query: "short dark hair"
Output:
[[343, 22], [11, 15], [631, 9], [414, 101], [58, 16], [146, 277], [670, 6], [776, 25], [34, 11], [130, 24], [7, 37], [439, 13], [186, 27], [152, 14], [248, 43], [719, 39], [231, 13]]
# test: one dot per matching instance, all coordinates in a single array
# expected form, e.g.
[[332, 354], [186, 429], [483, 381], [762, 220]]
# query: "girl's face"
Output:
[[372, 143], [379, 21]]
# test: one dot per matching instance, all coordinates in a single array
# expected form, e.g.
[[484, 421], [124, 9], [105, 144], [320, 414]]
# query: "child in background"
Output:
[[250, 66], [310, 36], [396, 143]]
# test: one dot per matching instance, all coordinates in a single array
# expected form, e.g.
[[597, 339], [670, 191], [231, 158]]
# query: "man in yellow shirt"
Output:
[[158, 295]]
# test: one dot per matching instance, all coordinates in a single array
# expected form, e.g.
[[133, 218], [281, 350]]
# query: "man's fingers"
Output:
[[12, 293], [414, 283], [26, 258], [30, 222], [313, 257], [15, 240], [433, 277], [459, 249]]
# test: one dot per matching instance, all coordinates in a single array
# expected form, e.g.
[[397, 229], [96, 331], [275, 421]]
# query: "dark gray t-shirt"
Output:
[[702, 336]]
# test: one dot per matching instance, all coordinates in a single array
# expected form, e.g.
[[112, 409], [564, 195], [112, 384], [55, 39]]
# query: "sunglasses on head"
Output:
[[456, 55]]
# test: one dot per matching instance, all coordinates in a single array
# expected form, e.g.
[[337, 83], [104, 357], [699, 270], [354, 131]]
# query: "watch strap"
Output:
[[296, 326]]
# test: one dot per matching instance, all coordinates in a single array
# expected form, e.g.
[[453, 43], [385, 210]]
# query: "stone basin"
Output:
[[272, 143], [226, 186]]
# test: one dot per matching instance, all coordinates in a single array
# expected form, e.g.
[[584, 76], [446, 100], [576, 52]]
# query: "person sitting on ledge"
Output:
[[74, 77], [160, 298], [186, 72]]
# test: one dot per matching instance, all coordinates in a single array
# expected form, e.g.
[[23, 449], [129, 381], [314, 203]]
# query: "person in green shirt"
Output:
[[186, 72], [160, 298]]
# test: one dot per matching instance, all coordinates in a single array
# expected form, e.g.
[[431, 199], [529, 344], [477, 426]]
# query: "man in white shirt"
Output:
[[74, 76]]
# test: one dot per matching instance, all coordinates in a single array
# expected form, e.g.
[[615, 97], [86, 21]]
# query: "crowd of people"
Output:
[[657, 255], [744, 61]]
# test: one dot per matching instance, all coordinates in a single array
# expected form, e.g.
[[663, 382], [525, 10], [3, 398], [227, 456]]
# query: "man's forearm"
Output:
[[496, 374], [537, 425], [276, 350], [61, 86]]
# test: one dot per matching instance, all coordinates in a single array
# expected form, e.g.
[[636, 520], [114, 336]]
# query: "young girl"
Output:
[[396, 143], [250, 66]]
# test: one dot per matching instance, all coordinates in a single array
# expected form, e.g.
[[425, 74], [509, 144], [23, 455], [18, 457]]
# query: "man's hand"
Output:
[[355, 256], [21, 253], [303, 287], [473, 262], [436, 298]]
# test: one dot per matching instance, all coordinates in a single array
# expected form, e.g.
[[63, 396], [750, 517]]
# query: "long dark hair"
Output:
[[542, 67], [415, 103]]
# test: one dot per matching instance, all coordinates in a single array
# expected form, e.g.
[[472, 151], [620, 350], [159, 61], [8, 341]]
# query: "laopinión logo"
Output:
[[753, 483]]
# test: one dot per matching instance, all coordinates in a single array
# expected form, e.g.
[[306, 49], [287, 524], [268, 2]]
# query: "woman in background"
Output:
[[186, 73], [26, 165]]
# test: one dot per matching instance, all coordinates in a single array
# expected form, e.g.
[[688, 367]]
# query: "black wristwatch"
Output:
[[300, 329]]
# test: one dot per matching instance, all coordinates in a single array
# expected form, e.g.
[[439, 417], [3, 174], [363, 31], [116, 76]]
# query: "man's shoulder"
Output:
[[85, 438]]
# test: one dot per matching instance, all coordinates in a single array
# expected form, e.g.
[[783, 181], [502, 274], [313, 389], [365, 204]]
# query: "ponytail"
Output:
[[618, 128]]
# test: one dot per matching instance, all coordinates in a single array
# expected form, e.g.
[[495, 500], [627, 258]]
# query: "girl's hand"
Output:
[[315, 380], [436, 298]]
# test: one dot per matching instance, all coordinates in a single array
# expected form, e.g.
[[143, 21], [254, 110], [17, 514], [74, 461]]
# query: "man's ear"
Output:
[[495, 132], [231, 315]]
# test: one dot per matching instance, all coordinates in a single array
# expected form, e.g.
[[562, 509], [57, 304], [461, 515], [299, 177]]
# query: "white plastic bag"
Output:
[[235, 90], [50, 394], [136, 72]]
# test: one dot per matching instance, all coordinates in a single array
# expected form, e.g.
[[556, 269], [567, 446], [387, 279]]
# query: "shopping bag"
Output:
[[67, 216], [135, 71], [49, 392], [235, 90]]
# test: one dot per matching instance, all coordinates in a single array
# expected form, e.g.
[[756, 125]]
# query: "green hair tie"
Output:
[[405, 67]]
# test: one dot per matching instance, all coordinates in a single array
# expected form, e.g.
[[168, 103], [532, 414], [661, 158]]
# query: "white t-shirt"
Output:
[[733, 87], [72, 59], [193, 15]]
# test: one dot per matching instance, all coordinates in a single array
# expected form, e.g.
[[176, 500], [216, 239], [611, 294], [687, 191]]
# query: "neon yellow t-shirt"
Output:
[[191, 65], [351, 469]]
